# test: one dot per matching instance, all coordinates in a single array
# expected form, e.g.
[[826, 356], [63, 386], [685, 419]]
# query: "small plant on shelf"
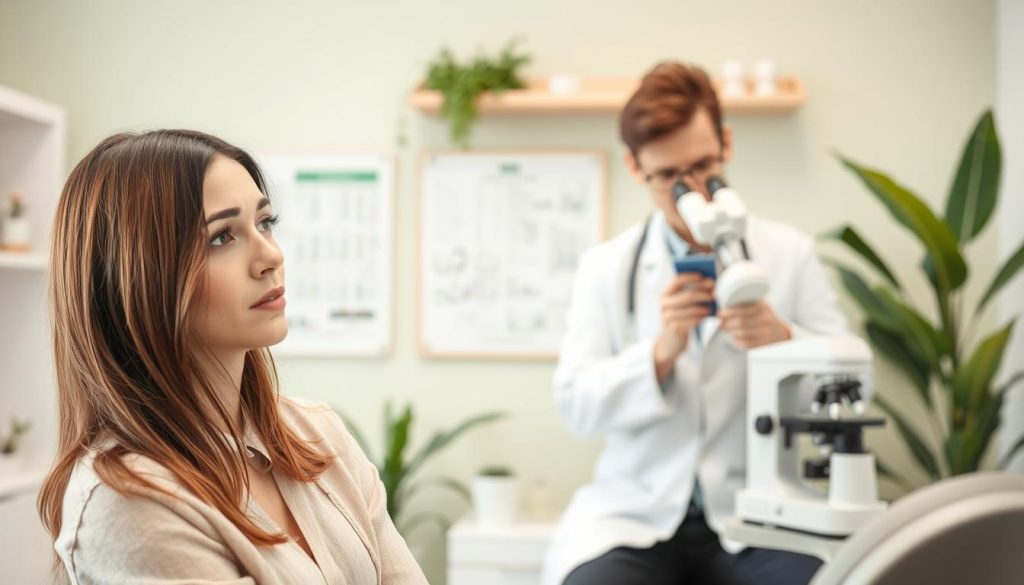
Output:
[[9, 443], [461, 85]]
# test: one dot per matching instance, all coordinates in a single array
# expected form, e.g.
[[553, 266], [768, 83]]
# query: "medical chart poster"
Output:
[[500, 237], [336, 233]]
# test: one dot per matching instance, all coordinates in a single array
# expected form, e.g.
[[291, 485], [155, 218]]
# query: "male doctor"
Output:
[[647, 367]]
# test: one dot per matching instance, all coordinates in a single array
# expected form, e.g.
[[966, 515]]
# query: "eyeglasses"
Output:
[[663, 179]]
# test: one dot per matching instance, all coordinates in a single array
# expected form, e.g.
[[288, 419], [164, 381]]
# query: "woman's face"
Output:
[[242, 305]]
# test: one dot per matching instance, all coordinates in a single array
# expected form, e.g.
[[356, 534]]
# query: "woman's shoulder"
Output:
[[315, 421]]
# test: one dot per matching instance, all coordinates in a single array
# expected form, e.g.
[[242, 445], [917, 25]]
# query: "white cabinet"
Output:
[[505, 555], [32, 147]]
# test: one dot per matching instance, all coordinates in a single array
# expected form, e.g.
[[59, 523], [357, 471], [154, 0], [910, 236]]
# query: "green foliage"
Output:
[[9, 444], [397, 467], [462, 84], [955, 386], [495, 471]]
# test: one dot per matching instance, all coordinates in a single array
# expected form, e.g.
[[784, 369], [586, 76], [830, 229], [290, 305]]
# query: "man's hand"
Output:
[[754, 325], [682, 308]]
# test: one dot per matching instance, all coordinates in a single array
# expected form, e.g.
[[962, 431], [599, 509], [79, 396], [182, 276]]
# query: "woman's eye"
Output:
[[267, 224], [221, 239]]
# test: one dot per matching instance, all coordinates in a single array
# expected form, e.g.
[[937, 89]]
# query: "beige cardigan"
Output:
[[150, 538]]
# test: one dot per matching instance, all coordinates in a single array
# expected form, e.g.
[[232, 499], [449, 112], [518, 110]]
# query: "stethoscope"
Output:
[[678, 190]]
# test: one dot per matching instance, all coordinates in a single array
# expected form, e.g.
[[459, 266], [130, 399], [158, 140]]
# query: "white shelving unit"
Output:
[[32, 163]]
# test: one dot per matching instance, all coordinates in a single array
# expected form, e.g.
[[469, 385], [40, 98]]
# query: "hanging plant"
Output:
[[462, 84]]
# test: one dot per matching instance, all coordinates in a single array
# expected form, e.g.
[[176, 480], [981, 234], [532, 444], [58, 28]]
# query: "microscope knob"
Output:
[[763, 424]]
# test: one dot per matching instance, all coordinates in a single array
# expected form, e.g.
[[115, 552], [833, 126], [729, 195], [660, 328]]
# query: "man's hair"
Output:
[[667, 99]]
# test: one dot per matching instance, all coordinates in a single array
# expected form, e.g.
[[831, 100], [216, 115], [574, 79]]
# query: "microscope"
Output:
[[797, 388], [721, 224], [802, 387]]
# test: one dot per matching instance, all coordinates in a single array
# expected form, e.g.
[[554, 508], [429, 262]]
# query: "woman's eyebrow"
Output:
[[234, 211]]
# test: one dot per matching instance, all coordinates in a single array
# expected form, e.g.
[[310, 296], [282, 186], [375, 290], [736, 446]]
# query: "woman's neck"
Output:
[[226, 382]]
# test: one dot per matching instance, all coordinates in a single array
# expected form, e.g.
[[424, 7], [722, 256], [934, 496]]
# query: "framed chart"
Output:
[[500, 236], [337, 236]]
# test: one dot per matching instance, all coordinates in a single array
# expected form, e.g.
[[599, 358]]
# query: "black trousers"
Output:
[[693, 556]]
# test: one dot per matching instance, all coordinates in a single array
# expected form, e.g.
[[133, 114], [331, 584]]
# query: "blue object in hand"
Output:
[[703, 264]]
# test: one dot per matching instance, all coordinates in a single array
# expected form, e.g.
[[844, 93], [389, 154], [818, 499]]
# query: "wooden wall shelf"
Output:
[[605, 95]]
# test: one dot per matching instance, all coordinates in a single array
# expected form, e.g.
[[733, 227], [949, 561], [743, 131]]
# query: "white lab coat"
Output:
[[655, 439]]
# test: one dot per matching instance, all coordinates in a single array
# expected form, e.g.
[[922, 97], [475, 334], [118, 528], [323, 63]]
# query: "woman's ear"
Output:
[[726, 143], [634, 167]]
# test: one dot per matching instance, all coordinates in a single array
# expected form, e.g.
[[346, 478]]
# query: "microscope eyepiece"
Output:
[[679, 189], [714, 184]]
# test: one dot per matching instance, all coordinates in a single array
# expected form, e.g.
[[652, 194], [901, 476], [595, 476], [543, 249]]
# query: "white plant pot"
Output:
[[10, 464], [496, 500], [14, 233]]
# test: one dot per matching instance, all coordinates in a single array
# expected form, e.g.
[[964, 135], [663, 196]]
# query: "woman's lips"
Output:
[[273, 300]]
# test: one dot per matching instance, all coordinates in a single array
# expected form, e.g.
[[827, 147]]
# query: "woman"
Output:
[[167, 288]]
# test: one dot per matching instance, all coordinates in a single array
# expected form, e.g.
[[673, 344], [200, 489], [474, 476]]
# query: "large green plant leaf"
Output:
[[394, 471], [975, 189], [442, 439], [940, 244], [918, 448], [925, 339], [982, 426], [851, 238], [867, 298], [894, 349], [1005, 275], [973, 379]]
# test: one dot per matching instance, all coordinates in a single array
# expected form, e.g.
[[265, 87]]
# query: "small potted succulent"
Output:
[[496, 496], [10, 458]]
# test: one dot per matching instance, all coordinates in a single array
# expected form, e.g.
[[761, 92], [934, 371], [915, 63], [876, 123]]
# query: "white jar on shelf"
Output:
[[765, 83]]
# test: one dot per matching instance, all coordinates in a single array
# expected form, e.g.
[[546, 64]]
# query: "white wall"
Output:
[[893, 84], [1009, 97]]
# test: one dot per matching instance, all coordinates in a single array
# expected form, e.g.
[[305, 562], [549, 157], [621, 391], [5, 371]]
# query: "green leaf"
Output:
[[926, 339], [950, 271], [1005, 274], [442, 439], [394, 470], [917, 446], [851, 238], [868, 299], [894, 348], [972, 380], [955, 449], [975, 189]]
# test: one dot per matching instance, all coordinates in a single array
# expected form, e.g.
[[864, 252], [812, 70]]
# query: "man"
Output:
[[647, 367]]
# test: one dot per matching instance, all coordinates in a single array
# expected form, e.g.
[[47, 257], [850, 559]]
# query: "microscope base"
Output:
[[761, 536], [808, 514]]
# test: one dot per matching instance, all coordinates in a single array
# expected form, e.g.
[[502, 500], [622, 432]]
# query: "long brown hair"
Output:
[[128, 260]]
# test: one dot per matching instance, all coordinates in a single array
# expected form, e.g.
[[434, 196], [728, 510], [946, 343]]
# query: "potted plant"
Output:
[[951, 369], [461, 85], [10, 458], [495, 496], [397, 467]]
